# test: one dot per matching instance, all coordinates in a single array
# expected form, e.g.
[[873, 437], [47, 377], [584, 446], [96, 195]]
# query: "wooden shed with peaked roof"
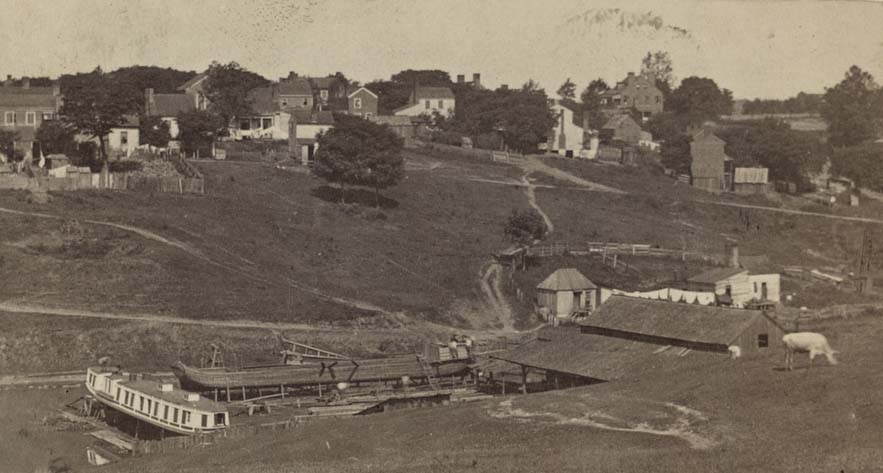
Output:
[[567, 291], [696, 327]]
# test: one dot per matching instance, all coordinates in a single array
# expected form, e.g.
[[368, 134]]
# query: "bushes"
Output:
[[124, 166], [447, 137]]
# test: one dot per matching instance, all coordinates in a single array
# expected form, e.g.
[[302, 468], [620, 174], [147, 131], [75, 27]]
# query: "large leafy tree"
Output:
[[154, 131], [524, 226], [358, 152], [567, 91], [790, 155], [658, 66], [227, 88], [698, 99], [94, 104], [591, 102], [199, 129], [861, 163], [852, 109], [7, 143], [55, 136]]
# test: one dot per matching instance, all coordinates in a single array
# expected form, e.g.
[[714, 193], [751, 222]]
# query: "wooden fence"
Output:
[[609, 249], [192, 184]]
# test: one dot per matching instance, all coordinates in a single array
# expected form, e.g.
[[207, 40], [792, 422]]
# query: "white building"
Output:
[[571, 136], [428, 101]]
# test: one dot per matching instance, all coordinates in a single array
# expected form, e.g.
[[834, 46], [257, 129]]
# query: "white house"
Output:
[[571, 136], [122, 140], [427, 101]]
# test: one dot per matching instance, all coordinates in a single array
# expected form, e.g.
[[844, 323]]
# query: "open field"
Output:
[[719, 415]]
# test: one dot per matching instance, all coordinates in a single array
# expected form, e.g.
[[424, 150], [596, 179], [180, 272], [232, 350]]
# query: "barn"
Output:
[[567, 291], [690, 326]]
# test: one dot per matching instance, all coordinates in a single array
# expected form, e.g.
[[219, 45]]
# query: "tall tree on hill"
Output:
[[524, 226], [591, 102], [94, 105], [698, 99], [227, 88], [861, 163], [567, 91], [852, 109], [658, 66], [357, 152], [423, 77], [525, 117]]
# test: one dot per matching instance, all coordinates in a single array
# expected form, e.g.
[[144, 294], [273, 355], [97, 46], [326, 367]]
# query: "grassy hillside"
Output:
[[419, 254], [720, 415]]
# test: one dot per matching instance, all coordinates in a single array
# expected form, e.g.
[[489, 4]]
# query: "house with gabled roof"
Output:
[[24, 108], [362, 103], [428, 101], [710, 167], [565, 292], [571, 136], [622, 128], [635, 92]]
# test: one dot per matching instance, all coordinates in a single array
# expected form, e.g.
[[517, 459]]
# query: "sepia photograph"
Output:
[[396, 236]]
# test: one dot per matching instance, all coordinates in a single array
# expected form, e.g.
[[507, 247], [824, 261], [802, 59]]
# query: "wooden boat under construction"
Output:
[[303, 365]]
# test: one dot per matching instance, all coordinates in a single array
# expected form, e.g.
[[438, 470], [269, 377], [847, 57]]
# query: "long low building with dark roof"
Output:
[[628, 336], [698, 327]]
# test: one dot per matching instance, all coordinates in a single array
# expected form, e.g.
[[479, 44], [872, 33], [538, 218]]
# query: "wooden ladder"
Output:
[[427, 370]]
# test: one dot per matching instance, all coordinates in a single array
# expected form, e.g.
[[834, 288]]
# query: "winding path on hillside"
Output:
[[532, 164], [791, 211], [250, 273]]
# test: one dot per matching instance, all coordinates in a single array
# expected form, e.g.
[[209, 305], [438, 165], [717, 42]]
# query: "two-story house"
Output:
[[570, 136], [637, 92], [362, 102], [428, 101], [23, 108], [294, 92]]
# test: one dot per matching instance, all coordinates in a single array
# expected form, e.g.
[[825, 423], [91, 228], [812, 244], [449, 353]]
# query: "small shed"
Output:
[[567, 291]]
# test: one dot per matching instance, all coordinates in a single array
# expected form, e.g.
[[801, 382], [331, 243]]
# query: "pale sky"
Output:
[[755, 48]]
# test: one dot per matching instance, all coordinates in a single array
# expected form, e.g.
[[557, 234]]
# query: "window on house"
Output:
[[9, 118], [204, 420], [124, 138], [165, 413], [285, 103], [48, 116], [149, 405], [155, 408], [306, 102], [175, 415], [245, 124], [427, 105], [266, 123], [323, 93], [729, 290], [357, 103], [755, 287], [185, 417], [441, 104], [118, 395], [141, 403], [30, 118], [763, 340]]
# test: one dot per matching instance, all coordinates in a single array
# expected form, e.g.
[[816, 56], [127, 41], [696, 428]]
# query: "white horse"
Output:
[[807, 342]]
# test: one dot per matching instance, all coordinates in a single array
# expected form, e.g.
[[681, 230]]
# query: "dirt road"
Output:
[[791, 211]]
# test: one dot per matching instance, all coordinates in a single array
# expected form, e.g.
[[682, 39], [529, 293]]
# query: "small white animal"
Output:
[[807, 342], [735, 351]]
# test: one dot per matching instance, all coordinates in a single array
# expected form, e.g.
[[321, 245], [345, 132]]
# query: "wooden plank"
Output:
[[114, 439]]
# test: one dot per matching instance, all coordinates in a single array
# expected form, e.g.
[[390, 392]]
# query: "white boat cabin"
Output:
[[157, 403]]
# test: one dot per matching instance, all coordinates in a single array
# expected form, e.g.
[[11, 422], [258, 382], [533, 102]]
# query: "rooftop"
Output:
[[391, 120], [566, 350], [566, 279], [170, 105], [674, 320], [41, 97], [294, 86], [714, 275], [421, 93]]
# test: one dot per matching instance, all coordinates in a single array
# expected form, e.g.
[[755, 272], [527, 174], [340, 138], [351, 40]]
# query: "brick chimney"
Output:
[[149, 102], [733, 260], [25, 82], [461, 78], [504, 86], [476, 80]]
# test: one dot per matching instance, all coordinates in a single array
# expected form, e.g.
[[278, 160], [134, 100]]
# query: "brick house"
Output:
[[362, 102], [427, 101], [293, 92], [24, 108], [710, 167], [637, 92]]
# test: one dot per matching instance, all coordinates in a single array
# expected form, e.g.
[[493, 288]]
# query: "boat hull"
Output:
[[379, 369], [110, 402]]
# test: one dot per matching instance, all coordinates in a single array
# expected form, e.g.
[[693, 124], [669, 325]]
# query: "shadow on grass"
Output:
[[353, 196]]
